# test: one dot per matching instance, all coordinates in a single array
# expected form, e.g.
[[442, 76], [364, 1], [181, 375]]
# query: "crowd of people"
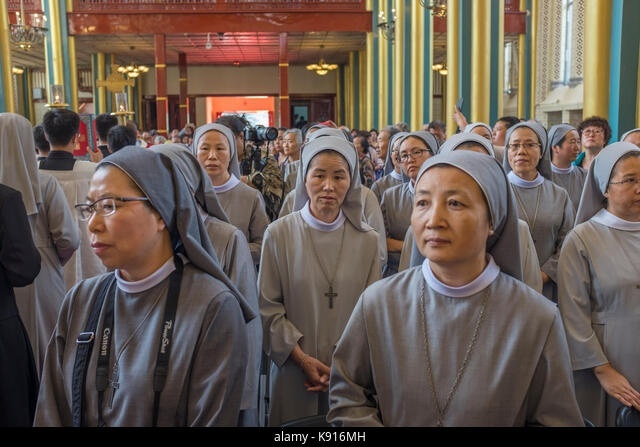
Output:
[[214, 279]]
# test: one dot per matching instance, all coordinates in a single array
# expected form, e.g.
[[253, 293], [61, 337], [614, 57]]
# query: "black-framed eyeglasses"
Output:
[[529, 145], [106, 206], [414, 153], [628, 182]]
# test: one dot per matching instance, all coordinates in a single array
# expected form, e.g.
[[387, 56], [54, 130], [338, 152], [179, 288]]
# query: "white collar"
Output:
[[319, 225], [518, 181], [605, 217], [488, 275], [146, 283], [229, 184], [396, 175], [557, 170]]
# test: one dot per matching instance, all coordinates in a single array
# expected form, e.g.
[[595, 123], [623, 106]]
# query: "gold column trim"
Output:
[[161, 98], [7, 75], [597, 43], [500, 73], [522, 39], [351, 92], [383, 56], [161, 65], [398, 67], [284, 97], [453, 49], [73, 65], [32, 111], [73, 70], [283, 64], [480, 61], [362, 80], [101, 71], [182, 79], [55, 39], [418, 76], [534, 58], [369, 98], [182, 106]]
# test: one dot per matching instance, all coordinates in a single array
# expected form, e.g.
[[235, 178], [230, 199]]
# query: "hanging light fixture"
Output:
[[440, 68], [322, 68], [438, 7], [387, 27], [132, 70], [25, 36]]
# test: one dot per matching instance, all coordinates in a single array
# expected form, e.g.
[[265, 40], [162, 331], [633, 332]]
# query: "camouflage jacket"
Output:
[[267, 178]]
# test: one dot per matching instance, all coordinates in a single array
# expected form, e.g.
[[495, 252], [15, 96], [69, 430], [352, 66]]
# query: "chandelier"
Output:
[[438, 7], [25, 36], [322, 68], [132, 70], [387, 27], [440, 68]]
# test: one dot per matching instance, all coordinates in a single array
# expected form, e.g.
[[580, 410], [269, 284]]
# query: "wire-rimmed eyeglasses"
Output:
[[627, 182], [105, 206]]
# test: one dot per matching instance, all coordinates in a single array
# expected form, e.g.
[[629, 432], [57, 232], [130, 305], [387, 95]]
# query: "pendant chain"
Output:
[[443, 410], [532, 225], [331, 293]]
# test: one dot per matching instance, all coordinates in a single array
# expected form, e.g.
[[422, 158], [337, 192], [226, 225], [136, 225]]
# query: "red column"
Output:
[[283, 66], [161, 84], [182, 65]]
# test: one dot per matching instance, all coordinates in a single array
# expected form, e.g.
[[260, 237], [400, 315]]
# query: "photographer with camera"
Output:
[[258, 167]]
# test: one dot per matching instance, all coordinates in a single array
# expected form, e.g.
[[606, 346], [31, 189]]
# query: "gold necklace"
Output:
[[532, 226], [441, 411], [330, 293]]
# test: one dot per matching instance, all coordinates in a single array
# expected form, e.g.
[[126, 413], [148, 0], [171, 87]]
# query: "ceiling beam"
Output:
[[176, 22]]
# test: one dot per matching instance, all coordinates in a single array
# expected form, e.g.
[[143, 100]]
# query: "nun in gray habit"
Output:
[[598, 274], [242, 204], [174, 349], [311, 274], [232, 250], [543, 205], [371, 212], [528, 257], [569, 176], [397, 201], [420, 351], [392, 174]]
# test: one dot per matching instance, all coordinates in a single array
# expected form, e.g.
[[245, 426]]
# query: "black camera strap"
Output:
[[85, 343], [83, 352]]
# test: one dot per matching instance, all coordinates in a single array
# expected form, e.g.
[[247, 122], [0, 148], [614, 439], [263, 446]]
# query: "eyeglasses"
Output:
[[105, 206], [628, 182], [592, 132], [516, 146], [415, 153]]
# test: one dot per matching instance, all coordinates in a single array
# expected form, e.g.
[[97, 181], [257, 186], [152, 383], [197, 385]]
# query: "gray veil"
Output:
[[597, 182], [234, 165], [503, 244], [544, 165], [169, 194], [195, 176], [352, 205]]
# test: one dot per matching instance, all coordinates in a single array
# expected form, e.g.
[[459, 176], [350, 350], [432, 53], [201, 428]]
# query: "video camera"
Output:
[[259, 134], [254, 136]]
